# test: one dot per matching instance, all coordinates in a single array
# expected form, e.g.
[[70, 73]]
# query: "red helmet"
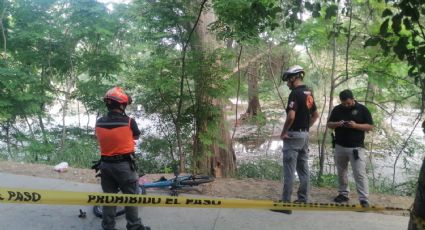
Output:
[[117, 94]]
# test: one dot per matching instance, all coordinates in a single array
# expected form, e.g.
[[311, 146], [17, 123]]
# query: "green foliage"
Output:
[[79, 149], [384, 186], [37, 150], [326, 180], [150, 163], [244, 20], [401, 33], [19, 88], [260, 119], [261, 169], [52, 42], [158, 155], [90, 93], [78, 153]]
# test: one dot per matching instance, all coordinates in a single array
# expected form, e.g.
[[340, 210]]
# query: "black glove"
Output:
[[96, 165]]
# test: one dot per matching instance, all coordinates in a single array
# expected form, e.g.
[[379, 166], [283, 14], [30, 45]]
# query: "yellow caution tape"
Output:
[[32, 196]]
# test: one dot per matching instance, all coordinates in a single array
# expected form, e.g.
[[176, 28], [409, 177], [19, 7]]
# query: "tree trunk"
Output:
[[418, 211], [88, 119], [217, 156], [322, 148], [40, 120], [7, 128], [29, 127], [224, 162], [254, 107], [64, 113], [69, 84], [78, 114]]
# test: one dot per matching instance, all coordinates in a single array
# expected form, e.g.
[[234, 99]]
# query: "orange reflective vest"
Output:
[[115, 138]]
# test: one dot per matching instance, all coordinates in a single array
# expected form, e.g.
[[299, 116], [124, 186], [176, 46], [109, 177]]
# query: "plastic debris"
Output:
[[61, 167]]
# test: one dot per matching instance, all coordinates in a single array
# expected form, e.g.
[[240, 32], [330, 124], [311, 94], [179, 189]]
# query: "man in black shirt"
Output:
[[351, 120], [301, 113]]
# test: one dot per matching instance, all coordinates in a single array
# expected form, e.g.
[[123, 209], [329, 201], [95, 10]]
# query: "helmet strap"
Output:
[[122, 107], [292, 80]]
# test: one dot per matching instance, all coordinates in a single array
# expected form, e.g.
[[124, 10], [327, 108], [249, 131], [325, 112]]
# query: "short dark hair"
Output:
[[346, 94], [111, 105]]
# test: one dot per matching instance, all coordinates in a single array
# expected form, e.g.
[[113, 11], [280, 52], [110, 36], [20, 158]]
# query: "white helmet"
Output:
[[293, 70]]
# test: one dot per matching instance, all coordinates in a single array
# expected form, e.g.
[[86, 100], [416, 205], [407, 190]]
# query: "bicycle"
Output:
[[174, 184]]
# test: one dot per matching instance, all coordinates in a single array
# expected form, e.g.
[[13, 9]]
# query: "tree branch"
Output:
[[237, 93], [244, 65], [3, 32]]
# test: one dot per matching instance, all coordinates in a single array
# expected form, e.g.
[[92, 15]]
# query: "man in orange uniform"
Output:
[[115, 133]]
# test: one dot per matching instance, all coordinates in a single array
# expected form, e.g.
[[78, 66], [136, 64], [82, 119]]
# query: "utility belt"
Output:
[[130, 158], [118, 158], [298, 130]]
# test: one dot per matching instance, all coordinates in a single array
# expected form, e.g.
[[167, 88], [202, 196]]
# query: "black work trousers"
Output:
[[118, 176]]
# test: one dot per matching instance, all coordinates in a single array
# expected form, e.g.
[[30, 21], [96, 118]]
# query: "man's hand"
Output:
[[350, 124], [284, 136]]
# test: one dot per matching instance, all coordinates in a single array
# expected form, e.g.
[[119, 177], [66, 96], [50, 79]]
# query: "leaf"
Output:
[[373, 41], [412, 71], [387, 12], [421, 51], [384, 46], [308, 6], [316, 10], [401, 48], [408, 24], [409, 10], [331, 11], [383, 30], [396, 26]]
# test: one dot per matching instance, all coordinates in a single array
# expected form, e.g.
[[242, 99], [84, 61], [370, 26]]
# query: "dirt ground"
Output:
[[221, 187]]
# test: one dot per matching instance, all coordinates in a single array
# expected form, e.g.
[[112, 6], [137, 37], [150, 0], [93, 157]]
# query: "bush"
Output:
[[150, 163], [327, 180], [261, 169], [79, 153]]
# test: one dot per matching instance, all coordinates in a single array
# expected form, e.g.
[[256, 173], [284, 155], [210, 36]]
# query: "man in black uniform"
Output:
[[301, 113], [115, 133], [351, 120]]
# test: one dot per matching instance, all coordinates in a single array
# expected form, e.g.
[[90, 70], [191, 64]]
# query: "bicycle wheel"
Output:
[[196, 180], [98, 211]]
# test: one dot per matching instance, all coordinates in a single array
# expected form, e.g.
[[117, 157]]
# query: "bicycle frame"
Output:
[[172, 183]]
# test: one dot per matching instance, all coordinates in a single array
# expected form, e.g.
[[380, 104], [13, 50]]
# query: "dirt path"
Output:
[[221, 187]]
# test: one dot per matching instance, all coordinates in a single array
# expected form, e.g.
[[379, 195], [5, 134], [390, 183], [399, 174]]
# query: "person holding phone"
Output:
[[351, 120]]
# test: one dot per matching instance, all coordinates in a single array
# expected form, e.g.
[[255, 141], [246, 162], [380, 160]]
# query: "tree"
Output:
[[254, 107], [402, 33], [48, 47], [20, 80]]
